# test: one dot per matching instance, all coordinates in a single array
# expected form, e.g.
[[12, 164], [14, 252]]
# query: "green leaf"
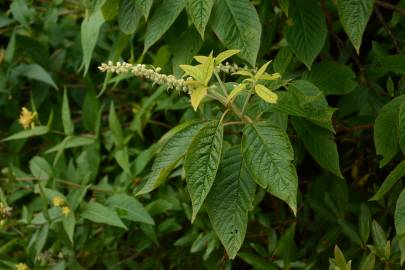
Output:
[[172, 151], [349, 230], [307, 34], [67, 122], [401, 127], [400, 223], [202, 162], [282, 60], [36, 131], [110, 9], [390, 181], [89, 32], [69, 223], [128, 16], [36, 72], [257, 262], [386, 130], [115, 126], [40, 168], [130, 208], [367, 262], [320, 144], [229, 201], [72, 142], [379, 238], [332, 78], [199, 12], [162, 18], [237, 25], [98, 213], [354, 16], [268, 155], [144, 6], [364, 223], [236, 91], [394, 63]]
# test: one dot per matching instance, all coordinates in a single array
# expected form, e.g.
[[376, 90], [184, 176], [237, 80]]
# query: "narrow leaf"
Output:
[[98, 213], [394, 176], [266, 94], [67, 122]]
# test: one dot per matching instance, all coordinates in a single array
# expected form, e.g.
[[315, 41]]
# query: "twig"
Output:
[[390, 6], [387, 29]]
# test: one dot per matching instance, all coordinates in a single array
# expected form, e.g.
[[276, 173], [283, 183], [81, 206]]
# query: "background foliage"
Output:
[[341, 102]]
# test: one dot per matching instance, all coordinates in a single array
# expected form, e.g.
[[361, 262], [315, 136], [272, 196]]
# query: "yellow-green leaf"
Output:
[[266, 94], [201, 58], [243, 73], [235, 91], [225, 55], [208, 68], [270, 77], [197, 95], [262, 70], [193, 71]]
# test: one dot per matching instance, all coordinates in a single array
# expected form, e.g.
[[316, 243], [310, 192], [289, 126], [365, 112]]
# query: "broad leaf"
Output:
[[162, 18], [178, 141], [197, 96], [202, 162], [394, 176], [130, 208], [268, 155], [354, 16], [237, 25], [307, 33], [89, 34], [386, 130], [400, 224], [144, 6], [394, 63], [40, 168], [99, 213], [229, 201], [200, 11], [332, 78], [128, 16], [320, 144]]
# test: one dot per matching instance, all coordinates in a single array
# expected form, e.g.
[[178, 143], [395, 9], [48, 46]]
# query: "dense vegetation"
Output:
[[204, 134]]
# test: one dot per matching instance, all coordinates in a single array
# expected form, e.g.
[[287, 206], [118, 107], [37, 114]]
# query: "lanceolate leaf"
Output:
[[36, 131], [386, 130], [162, 18], [200, 11], [267, 153], [202, 163], [173, 150], [401, 127], [130, 208], [390, 181], [400, 223], [229, 201], [67, 122], [354, 16], [99, 213], [307, 34], [237, 25], [320, 144]]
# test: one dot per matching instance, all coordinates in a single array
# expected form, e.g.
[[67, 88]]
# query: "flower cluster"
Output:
[[27, 118], [59, 202], [5, 211], [228, 68], [140, 70], [21, 266]]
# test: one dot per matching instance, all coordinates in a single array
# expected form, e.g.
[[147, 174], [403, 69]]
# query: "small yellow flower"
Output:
[[21, 266], [65, 211], [27, 118], [57, 201]]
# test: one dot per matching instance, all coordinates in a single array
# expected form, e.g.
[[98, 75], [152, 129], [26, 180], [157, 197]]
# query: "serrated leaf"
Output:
[[268, 155], [235, 91], [229, 201], [67, 122], [395, 175], [173, 150], [354, 16], [332, 78], [237, 25], [128, 16], [144, 6], [99, 213], [197, 96], [202, 162], [400, 223], [225, 55], [307, 34], [320, 144], [200, 11], [162, 18], [89, 32], [266, 94], [386, 130], [130, 208], [36, 131]]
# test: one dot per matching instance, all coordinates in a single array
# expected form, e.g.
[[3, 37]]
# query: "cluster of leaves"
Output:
[[294, 163]]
